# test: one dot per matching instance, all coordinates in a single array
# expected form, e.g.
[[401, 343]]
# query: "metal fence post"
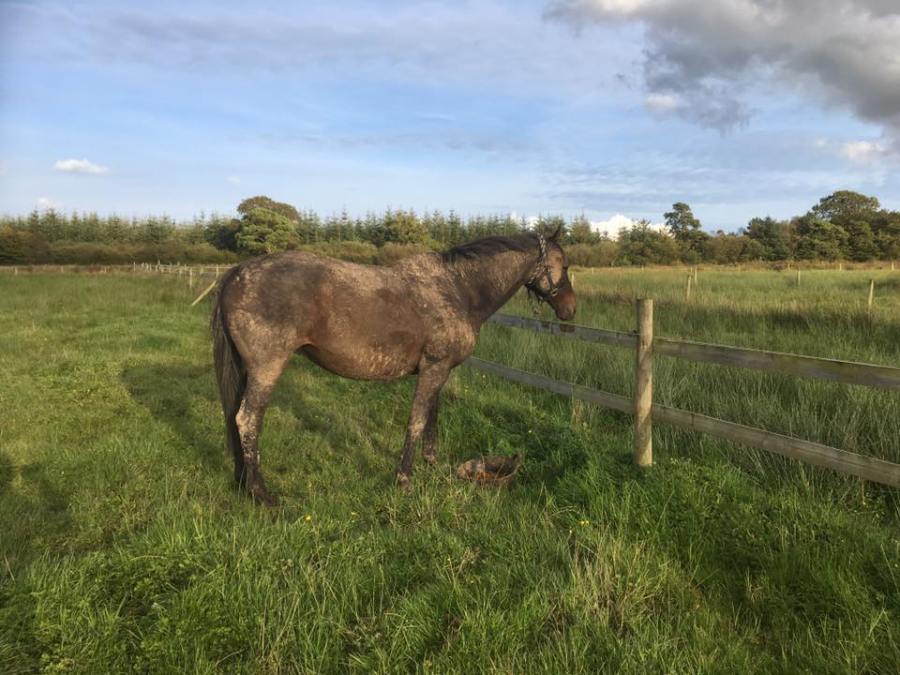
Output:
[[643, 385]]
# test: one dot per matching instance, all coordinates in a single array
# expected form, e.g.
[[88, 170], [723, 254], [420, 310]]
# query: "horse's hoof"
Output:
[[430, 460], [264, 498], [403, 482]]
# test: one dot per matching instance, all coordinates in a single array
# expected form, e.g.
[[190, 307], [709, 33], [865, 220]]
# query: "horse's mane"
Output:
[[489, 246]]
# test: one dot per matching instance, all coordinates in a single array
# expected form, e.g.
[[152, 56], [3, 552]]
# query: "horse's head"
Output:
[[550, 280]]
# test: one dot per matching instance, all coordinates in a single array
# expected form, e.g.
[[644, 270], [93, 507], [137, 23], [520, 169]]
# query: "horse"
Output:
[[420, 316]]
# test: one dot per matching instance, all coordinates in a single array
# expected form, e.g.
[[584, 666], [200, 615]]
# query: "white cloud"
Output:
[[44, 203], [662, 102], [863, 152], [234, 180], [79, 166], [612, 225]]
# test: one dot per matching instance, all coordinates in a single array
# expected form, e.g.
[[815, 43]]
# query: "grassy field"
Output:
[[125, 549]]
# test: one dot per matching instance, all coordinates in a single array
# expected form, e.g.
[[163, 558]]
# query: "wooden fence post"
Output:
[[687, 289], [871, 294], [190, 277], [643, 385]]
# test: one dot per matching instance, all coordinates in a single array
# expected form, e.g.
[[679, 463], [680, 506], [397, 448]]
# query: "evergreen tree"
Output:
[[860, 241], [772, 235], [820, 239], [685, 229], [581, 232]]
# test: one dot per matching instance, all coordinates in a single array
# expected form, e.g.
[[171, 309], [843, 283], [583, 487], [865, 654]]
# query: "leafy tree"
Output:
[[820, 239], [844, 205], [860, 241], [263, 231], [19, 245], [641, 245], [263, 202], [685, 229], [774, 237], [601, 254], [886, 227], [725, 248], [222, 233], [681, 221], [404, 227]]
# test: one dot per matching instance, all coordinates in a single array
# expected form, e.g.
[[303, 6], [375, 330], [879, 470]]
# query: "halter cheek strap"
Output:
[[542, 269]]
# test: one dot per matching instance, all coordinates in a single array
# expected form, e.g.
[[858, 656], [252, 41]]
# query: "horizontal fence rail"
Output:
[[842, 461], [569, 330], [602, 398], [848, 372]]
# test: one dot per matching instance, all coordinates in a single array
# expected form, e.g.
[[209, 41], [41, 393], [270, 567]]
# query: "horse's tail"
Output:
[[230, 374]]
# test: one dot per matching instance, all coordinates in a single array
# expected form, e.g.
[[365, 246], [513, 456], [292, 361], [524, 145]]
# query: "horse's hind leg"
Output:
[[429, 436], [260, 384]]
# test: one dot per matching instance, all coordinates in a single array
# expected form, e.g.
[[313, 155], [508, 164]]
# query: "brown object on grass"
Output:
[[497, 470]]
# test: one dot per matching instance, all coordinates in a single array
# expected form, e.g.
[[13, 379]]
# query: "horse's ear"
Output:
[[555, 236]]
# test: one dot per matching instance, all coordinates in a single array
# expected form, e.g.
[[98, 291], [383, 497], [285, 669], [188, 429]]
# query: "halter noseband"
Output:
[[542, 269]]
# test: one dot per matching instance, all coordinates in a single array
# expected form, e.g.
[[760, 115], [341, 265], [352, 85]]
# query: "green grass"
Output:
[[123, 546]]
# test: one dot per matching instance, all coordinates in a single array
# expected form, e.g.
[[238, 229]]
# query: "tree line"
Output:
[[842, 226]]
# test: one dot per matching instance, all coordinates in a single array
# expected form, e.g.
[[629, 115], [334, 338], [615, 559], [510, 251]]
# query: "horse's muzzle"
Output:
[[564, 305]]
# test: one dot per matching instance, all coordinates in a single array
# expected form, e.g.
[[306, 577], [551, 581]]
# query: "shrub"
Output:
[[353, 251], [391, 253], [601, 254], [87, 253], [21, 246]]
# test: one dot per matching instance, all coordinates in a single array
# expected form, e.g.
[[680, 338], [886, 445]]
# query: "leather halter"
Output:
[[541, 269]]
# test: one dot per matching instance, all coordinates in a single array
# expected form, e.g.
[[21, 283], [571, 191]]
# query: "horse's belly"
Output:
[[366, 361]]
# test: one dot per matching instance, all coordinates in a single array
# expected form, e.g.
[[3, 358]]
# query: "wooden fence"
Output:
[[646, 346]]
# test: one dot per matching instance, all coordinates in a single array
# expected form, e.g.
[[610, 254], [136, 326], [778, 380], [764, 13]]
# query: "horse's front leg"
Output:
[[428, 388]]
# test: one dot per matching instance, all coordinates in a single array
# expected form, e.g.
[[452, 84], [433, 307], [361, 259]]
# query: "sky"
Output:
[[606, 108]]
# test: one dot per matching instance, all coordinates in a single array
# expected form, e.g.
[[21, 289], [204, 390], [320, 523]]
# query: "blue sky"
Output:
[[601, 107]]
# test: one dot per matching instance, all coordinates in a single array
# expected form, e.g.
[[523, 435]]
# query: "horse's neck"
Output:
[[487, 283]]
